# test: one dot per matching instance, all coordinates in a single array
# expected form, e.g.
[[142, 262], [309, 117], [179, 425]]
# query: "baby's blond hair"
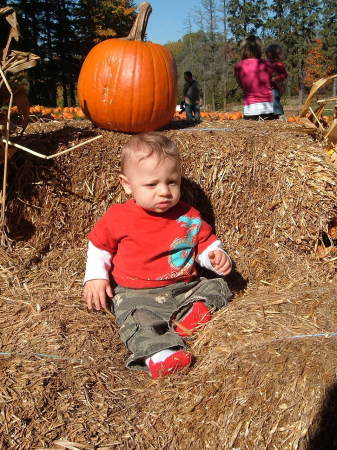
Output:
[[147, 144]]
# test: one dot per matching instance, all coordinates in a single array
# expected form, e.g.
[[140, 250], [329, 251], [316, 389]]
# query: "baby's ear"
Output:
[[125, 183]]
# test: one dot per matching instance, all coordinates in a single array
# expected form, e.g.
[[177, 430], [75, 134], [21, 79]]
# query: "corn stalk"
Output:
[[12, 62]]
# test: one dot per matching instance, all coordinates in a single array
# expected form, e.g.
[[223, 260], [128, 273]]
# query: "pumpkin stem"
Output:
[[138, 29]]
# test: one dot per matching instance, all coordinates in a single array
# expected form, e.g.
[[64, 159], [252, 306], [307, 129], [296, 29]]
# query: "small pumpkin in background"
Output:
[[129, 85], [236, 115]]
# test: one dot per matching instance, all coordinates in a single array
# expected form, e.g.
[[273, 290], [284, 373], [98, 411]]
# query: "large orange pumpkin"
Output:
[[127, 84]]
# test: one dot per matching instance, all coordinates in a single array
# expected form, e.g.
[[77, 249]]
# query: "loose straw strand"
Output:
[[5, 169]]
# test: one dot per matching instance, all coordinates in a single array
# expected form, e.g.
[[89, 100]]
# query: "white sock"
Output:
[[160, 356]]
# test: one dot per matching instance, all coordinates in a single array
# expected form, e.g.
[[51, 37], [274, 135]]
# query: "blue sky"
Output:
[[167, 21]]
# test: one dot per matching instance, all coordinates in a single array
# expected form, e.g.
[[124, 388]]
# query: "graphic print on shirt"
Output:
[[181, 255]]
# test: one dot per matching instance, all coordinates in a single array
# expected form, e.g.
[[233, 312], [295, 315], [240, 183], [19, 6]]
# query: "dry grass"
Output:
[[270, 193]]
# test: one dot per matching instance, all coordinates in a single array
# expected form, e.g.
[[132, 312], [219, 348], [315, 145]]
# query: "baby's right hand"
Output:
[[95, 292]]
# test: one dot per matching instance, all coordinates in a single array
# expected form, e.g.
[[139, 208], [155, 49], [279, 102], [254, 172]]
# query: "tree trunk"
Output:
[[301, 83], [301, 95], [225, 72], [204, 92], [289, 84], [225, 91], [65, 96], [72, 93], [225, 83]]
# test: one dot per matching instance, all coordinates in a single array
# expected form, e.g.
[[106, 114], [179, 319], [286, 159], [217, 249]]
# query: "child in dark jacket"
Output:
[[274, 54]]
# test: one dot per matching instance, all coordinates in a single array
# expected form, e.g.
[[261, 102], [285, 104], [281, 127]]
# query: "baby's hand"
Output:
[[220, 261], [95, 292]]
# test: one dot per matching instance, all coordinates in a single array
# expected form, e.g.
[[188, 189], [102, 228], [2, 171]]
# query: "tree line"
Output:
[[210, 47], [62, 32]]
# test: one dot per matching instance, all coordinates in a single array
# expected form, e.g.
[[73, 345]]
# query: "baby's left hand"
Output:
[[220, 261]]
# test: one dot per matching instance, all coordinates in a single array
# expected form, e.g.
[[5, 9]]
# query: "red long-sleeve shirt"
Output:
[[279, 75], [150, 249]]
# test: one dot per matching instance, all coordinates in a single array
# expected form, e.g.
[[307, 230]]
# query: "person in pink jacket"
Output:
[[254, 76]]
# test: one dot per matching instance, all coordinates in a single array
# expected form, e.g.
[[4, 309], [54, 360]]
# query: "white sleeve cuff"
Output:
[[98, 264], [203, 258]]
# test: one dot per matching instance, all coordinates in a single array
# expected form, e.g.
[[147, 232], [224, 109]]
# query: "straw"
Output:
[[265, 365]]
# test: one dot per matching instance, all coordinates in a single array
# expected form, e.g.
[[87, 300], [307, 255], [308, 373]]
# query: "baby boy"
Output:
[[150, 246]]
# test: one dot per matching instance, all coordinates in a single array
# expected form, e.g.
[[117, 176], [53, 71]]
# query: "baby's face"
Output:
[[154, 183]]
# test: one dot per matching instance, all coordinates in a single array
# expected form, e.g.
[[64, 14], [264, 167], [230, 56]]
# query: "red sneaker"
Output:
[[198, 315], [178, 361]]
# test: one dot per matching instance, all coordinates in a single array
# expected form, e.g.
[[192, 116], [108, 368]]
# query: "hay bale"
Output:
[[269, 192], [267, 188], [256, 382], [261, 377]]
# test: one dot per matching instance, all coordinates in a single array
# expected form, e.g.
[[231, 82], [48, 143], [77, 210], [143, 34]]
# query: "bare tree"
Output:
[[224, 10], [209, 8]]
